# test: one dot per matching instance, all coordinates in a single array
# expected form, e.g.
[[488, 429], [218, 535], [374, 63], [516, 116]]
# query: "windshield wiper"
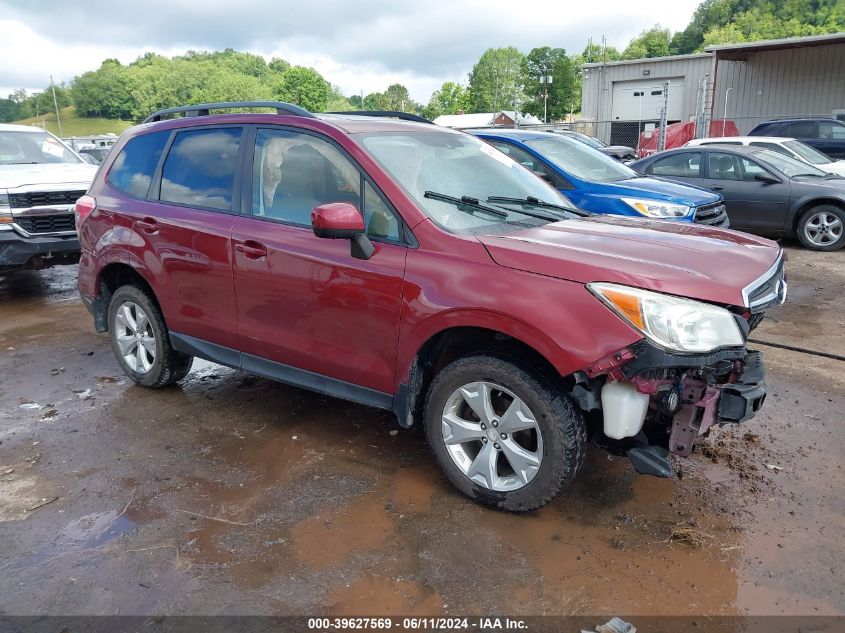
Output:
[[467, 204], [535, 202]]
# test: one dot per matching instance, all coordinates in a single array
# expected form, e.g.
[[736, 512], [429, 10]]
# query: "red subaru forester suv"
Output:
[[415, 268]]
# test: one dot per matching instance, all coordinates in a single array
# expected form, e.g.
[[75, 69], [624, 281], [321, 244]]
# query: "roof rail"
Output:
[[203, 109], [394, 114]]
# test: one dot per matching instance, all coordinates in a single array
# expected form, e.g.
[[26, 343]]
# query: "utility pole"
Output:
[[664, 115], [56, 104]]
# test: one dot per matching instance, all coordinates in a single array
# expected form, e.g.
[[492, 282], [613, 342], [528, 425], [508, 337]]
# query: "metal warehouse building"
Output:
[[745, 83]]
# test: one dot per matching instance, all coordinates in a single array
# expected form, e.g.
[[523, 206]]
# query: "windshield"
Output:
[[812, 156], [587, 140], [790, 166], [30, 148], [459, 165], [580, 160]]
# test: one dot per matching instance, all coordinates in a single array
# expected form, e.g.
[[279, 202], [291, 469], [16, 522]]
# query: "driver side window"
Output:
[[733, 167], [295, 172]]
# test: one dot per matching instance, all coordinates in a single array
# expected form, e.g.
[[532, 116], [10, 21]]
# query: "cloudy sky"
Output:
[[361, 45]]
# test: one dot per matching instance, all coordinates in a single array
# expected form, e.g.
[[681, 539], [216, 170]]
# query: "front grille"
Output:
[[712, 215], [767, 292], [43, 198], [47, 223]]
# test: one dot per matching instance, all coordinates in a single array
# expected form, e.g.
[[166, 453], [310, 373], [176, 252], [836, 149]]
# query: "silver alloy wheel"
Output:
[[823, 228], [135, 337], [492, 436]]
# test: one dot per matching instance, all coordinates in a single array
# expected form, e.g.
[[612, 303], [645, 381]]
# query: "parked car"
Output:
[[40, 180], [416, 269], [786, 146], [599, 184], [826, 135], [97, 154], [621, 153], [765, 192]]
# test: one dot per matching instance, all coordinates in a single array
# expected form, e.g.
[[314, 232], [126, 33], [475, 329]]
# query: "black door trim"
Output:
[[280, 372]]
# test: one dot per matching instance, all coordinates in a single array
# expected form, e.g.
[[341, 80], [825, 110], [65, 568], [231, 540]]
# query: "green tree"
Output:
[[376, 101], [597, 54], [450, 98], [305, 87], [496, 80], [731, 21], [337, 102], [398, 98], [9, 110], [278, 65], [104, 92], [653, 42], [230, 86], [554, 64]]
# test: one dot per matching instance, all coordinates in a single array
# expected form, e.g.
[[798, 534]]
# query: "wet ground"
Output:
[[231, 494]]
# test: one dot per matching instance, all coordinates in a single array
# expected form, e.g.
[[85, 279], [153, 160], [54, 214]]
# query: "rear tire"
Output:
[[822, 228], [140, 341], [544, 433]]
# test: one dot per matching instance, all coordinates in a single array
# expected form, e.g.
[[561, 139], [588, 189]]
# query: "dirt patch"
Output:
[[331, 537], [377, 595]]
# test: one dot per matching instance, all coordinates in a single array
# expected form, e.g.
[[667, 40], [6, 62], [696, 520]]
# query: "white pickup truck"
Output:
[[40, 180]]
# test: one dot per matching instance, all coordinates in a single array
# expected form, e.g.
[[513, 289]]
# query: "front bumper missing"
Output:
[[724, 387]]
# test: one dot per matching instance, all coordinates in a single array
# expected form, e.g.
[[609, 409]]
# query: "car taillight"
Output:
[[84, 206]]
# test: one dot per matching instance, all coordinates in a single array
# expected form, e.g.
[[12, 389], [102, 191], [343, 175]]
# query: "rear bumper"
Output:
[[17, 251]]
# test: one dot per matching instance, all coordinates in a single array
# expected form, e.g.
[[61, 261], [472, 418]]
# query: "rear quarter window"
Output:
[[134, 167]]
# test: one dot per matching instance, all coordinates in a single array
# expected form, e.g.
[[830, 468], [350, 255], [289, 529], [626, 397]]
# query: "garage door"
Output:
[[642, 99]]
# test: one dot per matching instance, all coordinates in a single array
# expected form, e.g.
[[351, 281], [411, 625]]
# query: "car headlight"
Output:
[[655, 209], [671, 322], [6, 218]]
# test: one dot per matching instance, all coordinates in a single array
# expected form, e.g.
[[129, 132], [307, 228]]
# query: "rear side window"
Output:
[[829, 129], [199, 170], [683, 165], [134, 167], [801, 129]]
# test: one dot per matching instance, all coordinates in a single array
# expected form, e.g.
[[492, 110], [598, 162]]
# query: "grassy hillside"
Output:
[[73, 125]]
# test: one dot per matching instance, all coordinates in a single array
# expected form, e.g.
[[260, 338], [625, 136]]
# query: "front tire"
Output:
[[822, 228], [140, 341], [502, 434]]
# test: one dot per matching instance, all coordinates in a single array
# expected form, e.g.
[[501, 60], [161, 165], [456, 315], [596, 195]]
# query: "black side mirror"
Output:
[[543, 175], [765, 178]]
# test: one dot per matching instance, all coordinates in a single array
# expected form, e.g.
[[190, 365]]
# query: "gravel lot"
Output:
[[232, 494]]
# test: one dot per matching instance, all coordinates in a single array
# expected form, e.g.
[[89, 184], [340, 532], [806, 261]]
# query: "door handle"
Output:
[[251, 249], [147, 225], [717, 187]]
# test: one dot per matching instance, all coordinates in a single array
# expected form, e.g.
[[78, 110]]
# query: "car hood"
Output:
[[682, 259], [617, 149], [663, 190], [837, 167], [836, 184], [12, 176]]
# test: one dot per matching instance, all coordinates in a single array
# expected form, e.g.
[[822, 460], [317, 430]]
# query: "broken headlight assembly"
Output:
[[673, 323]]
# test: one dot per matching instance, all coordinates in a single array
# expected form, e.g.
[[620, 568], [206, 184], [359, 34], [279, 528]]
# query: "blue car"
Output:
[[597, 183]]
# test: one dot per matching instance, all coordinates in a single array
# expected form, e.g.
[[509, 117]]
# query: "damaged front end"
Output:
[[652, 403], [690, 371]]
